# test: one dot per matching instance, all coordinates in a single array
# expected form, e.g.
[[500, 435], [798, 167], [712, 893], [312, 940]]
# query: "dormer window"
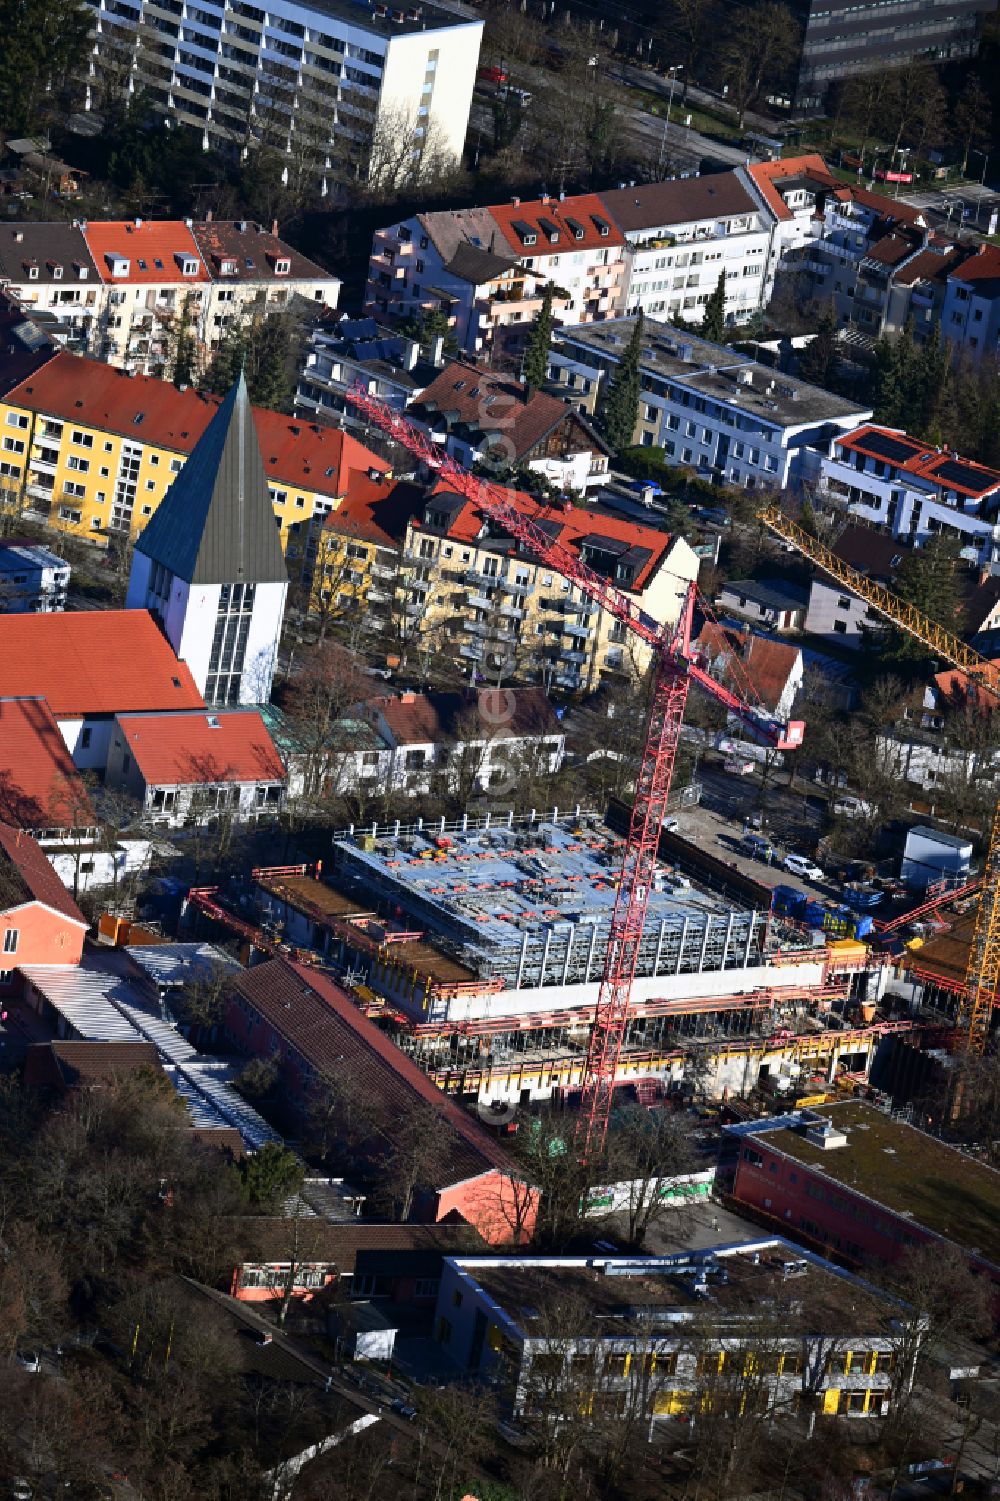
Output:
[[227, 266], [118, 265], [187, 263], [601, 225], [524, 232], [282, 265], [81, 271], [31, 267], [56, 271]]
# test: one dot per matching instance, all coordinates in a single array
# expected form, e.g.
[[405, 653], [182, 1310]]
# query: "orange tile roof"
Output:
[[582, 209], [983, 266], [155, 242], [570, 526], [373, 511], [40, 787], [766, 174], [91, 393], [940, 466], [224, 745], [92, 662], [767, 665], [27, 862]]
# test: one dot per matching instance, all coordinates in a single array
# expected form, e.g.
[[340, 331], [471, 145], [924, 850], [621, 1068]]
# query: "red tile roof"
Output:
[[40, 788], [938, 465], [327, 1029], [26, 876], [153, 411], [93, 662], [146, 240], [889, 208], [497, 408], [376, 511], [983, 266], [891, 248], [215, 745], [582, 210], [429, 718], [936, 263], [60, 1065], [768, 665], [570, 526]]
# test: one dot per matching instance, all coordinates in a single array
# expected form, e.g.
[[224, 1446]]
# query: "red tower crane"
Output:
[[536, 528]]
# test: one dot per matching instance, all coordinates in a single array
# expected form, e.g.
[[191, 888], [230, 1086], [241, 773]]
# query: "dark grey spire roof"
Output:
[[216, 523]]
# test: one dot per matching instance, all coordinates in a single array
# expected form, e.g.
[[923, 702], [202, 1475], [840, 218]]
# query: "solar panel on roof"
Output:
[[896, 450], [954, 472]]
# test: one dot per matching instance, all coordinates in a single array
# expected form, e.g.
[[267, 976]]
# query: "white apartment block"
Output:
[[32, 579], [121, 289], [487, 269], [681, 234], [710, 409], [914, 491], [333, 86]]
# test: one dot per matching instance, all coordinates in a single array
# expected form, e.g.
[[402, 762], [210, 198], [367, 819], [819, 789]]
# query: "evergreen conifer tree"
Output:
[[536, 353], [713, 325], [621, 411]]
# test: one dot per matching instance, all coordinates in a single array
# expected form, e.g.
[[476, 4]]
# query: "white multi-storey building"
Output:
[[336, 85], [31, 578], [680, 235], [710, 409], [122, 289], [915, 491]]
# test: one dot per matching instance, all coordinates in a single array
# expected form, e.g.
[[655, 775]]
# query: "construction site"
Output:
[[481, 950]]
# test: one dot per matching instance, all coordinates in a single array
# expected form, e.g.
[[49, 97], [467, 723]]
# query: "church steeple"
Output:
[[209, 563], [216, 525]]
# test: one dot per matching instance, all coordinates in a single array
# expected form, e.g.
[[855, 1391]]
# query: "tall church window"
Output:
[[229, 643]]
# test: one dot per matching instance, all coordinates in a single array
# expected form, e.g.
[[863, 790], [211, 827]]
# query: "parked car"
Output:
[[738, 766], [852, 807], [404, 1409], [759, 847], [492, 75], [522, 96], [801, 865]]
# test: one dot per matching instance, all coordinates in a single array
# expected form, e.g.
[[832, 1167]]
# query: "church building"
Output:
[[209, 564]]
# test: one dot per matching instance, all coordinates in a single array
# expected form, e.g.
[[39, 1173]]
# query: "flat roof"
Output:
[[621, 1297], [413, 18], [911, 1173]]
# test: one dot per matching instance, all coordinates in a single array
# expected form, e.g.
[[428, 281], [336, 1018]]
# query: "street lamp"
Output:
[[677, 68], [975, 151]]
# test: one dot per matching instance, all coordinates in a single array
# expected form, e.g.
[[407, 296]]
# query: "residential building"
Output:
[[343, 92], [658, 1337], [468, 587], [60, 1066], [121, 289], [708, 408], [209, 565], [353, 555], [486, 269], [468, 743], [772, 669], [774, 603], [680, 235], [855, 1183], [914, 491], [360, 352], [836, 613], [839, 41], [970, 316], [39, 921], [197, 767], [316, 1034], [63, 660], [92, 451], [496, 422], [31, 577]]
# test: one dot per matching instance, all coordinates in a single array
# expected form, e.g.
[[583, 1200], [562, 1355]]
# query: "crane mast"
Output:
[[536, 527], [982, 975]]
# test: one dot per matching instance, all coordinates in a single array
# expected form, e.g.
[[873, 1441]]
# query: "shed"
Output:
[[930, 855]]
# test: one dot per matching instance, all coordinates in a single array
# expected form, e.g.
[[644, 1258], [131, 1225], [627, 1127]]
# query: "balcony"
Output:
[[476, 627], [581, 632], [510, 587], [513, 612], [471, 649], [45, 459], [574, 656], [479, 601], [482, 580]]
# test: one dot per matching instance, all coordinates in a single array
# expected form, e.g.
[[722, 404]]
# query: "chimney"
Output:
[[274, 228], [209, 215], [437, 351], [411, 353]]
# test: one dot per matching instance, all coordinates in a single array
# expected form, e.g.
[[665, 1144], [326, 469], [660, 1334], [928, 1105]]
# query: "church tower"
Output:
[[209, 563]]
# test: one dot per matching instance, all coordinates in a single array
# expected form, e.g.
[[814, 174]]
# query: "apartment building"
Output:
[[92, 450], [32, 578], [661, 1337], [336, 87], [486, 269], [496, 422], [835, 613], [914, 491], [680, 235], [970, 316], [710, 409], [468, 589], [120, 290], [361, 352]]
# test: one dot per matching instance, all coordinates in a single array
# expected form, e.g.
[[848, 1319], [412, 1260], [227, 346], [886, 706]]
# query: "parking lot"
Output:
[[720, 835]]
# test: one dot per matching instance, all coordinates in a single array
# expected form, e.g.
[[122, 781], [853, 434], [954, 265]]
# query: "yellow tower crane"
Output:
[[982, 974]]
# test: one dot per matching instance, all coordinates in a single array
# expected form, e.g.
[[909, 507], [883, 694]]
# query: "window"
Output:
[[13, 445], [74, 461], [86, 737], [10, 939], [83, 440], [16, 419]]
